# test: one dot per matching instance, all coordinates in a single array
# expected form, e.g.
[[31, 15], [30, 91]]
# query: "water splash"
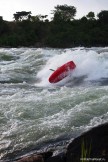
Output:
[[89, 65]]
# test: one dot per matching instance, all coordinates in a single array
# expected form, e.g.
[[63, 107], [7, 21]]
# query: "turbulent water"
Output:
[[35, 114]]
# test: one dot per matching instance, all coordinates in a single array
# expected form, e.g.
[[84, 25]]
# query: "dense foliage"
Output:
[[62, 31], [64, 13]]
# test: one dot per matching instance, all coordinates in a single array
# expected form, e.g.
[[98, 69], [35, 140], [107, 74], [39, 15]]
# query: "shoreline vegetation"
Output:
[[62, 31]]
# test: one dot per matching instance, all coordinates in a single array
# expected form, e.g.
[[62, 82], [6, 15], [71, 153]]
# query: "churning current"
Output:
[[35, 114]]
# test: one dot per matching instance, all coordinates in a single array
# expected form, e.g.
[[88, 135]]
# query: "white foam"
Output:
[[88, 63]]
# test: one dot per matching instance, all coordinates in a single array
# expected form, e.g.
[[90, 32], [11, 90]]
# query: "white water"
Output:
[[35, 114], [89, 63]]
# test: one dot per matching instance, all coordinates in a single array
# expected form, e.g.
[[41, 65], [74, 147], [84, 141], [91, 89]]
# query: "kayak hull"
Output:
[[62, 72]]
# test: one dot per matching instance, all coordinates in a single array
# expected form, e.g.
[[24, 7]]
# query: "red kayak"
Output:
[[62, 72]]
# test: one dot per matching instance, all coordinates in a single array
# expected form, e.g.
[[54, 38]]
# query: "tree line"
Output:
[[62, 31]]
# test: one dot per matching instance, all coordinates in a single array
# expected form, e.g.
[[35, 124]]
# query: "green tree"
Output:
[[38, 18], [1, 18], [103, 16], [64, 13], [18, 16], [35, 18], [84, 19], [43, 17], [90, 15]]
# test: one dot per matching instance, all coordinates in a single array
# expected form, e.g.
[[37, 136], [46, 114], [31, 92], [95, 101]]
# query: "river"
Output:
[[37, 115]]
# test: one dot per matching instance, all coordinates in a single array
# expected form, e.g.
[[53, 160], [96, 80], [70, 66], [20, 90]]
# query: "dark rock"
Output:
[[46, 155], [39, 157], [32, 158], [58, 158], [90, 146]]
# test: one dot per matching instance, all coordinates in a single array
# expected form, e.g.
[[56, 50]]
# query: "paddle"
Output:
[[52, 69]]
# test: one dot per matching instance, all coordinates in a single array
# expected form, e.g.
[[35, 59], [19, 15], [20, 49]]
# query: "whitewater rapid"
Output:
[[37, 115], [90, 66]]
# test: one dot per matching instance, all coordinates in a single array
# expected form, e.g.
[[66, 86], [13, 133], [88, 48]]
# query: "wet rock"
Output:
[[47, 154], [90, 146], [40, 157], [57, 158], [32, 158]]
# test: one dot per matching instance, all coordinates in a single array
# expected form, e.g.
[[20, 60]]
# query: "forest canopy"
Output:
[[63, 30]]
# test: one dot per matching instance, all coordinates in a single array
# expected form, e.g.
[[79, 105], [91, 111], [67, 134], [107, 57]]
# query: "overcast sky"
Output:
[[44, 7]]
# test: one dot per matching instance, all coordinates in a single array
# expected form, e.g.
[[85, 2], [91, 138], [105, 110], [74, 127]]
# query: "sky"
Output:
[[45, 7]]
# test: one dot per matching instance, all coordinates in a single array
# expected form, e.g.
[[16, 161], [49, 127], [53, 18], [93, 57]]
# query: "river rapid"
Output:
[[36, 115]]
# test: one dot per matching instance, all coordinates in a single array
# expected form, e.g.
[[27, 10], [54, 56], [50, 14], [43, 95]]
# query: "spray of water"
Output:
[[90, 66]]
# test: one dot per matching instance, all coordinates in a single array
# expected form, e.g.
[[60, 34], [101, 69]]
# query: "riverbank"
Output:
[[52, 34]]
